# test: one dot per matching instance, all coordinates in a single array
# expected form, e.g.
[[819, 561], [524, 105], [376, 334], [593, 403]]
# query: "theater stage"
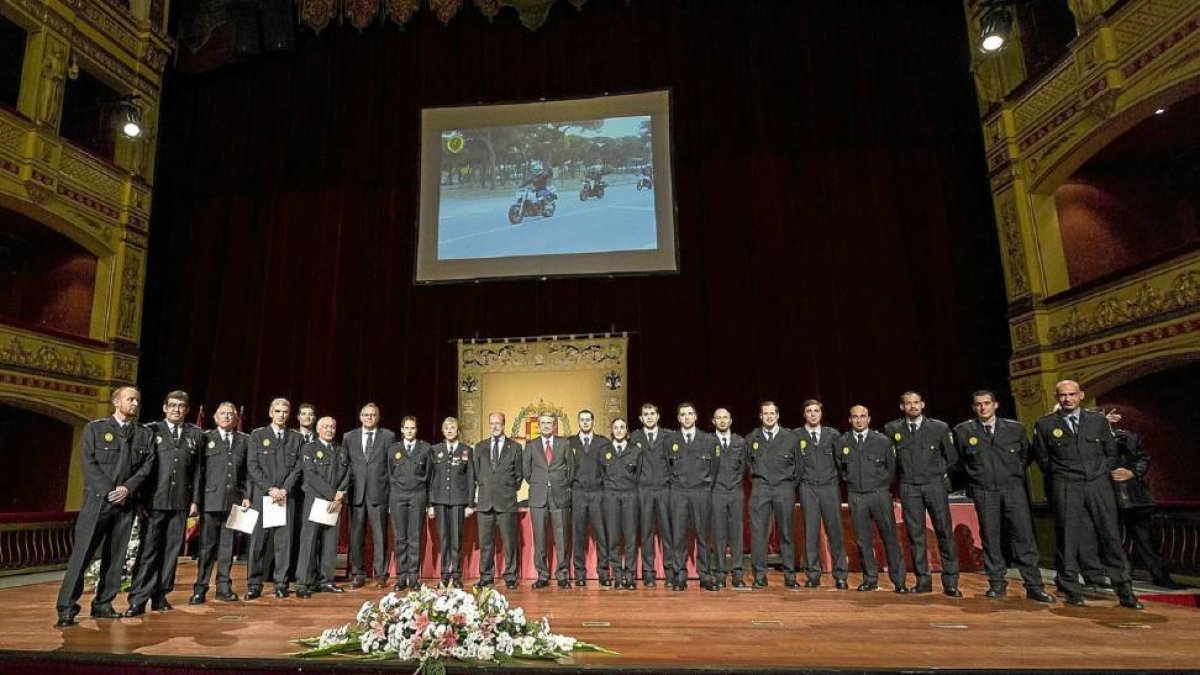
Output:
[[653, 629]]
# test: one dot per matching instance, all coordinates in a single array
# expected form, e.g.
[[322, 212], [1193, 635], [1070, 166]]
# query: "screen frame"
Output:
[[427, 269]]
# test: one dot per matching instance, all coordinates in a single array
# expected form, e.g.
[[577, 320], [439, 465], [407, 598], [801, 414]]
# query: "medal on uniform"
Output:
[[320, 454], [674, 447], [755, 446], [845, 449], [399, 455], [1058, 433], [108, 437], [266, 442], [158, 440], [441, 454], [608, 455], [973, 440], [898, 436]]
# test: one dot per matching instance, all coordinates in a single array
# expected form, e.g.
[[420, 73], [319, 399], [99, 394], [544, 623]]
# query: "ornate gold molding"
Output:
[[39, 354], [1129, 307]]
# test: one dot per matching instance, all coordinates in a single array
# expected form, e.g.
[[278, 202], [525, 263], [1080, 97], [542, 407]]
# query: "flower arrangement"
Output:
[[430, 625], [91, 576]]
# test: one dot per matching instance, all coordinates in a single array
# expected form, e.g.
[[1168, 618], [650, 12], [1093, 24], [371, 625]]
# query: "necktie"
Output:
[[370, 442], [687, 438], [815, 436], [175, 434], [587, 443], [769, 434], [1074, 424], [860, 437], [495, 451], [990, 430], [549, 452], [225, 438], [912, 428], [620, 448], [725, 443], [279, 435], [408, 447], [650, 437]]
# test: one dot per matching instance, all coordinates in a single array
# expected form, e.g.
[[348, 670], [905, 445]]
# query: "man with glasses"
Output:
[[366, 448], [496, 475]]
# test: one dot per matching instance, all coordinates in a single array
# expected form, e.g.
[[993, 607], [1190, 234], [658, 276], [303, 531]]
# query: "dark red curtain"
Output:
[[835, 227]]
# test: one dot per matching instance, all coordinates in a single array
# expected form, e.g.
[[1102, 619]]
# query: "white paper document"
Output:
[[240, 519], [320, 513], [274, 515]]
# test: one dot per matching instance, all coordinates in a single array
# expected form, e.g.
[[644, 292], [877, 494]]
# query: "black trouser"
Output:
[[375, 514], [271, 547], [408, 529], [870, 510], [655, 510], [691, 511], [318, 552], [823, 504], [449, 519], [767, 502], [915, 502], [1083, 509], [560, 521], [104, 526], [297, 526], [997, 509], [587, 509], [621, 526], [216, 546], [489, 522], [728, 518], [1137, 521], [158, 555]]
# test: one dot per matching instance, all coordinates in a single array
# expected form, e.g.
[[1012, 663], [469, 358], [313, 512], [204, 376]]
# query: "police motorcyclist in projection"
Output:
[[540, 182]]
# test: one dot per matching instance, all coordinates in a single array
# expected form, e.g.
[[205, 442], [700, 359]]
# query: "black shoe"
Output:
[[681, 586], [921, 589], [401, 584], [481, 584], [414, 583], [358, 583], [649, 584], [868, 586], [760, 582], [511, 584], [281, 592], [842, 585], [107, 612], [902, 589], [196, 599], [541, 583], [996, 592], [790, 582], [581, 582], [563, 583], [303, 592], [456, 583], [161, 606], [1039, 595], [330, 587], [381, 582], [738, 582], [1075, 600], [952, 592], [64, 621], [812, 583], [227, 596], [134, 610], [607, 583], [1130, 601], [253, 593]]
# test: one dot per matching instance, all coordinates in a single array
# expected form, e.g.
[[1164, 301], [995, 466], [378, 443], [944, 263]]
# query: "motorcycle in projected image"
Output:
[[592, 187], [645, 181], [531, 202]]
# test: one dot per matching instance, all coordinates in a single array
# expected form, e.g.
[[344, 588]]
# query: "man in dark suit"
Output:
[[223, 486], [692, 467], [408, 494], [587, 495], [925, 452], [117, 457], [621, 466], [867, 461], [366, 447], [306, 426], [326, 471], [169, 499], [1076, 449], [995, 453], [497, 465], [820, 497], [272, 462], [653, 493], [449, 500], [729, 502], [547, 467], [774, 451]]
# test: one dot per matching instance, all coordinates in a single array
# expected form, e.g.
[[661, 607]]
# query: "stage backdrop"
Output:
[[836, 231]]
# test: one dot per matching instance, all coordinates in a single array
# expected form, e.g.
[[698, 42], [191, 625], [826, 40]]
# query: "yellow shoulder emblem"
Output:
[[674, 447], [320, 454], [158, 440]]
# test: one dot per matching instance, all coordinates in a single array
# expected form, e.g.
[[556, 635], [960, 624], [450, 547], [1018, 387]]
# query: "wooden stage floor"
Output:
[[653, 629]]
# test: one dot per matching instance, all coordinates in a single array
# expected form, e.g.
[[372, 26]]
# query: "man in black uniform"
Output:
[[408, 493], [223, 485], [729, 502], [924, 453], [547, 467], [368, 494], [117, 457], [587, 495], [306, 426], [868, 465], [170, 499], [692, 464], [821, 498], [306, 421], [653, 493], [621, 466], [326, 471], [497, 473], [774, 468], [450, 466], [1076, 448], [995, 453], [272, 461]]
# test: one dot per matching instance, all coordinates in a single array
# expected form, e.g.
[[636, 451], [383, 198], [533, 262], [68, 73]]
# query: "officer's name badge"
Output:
[[108, 437], [212, 444], [1058, 433], [320, 454], [803, 444], [158, 439], [399, 455], [845, 449], [973, 441], [266, 442], [898, 436], [608, 455]]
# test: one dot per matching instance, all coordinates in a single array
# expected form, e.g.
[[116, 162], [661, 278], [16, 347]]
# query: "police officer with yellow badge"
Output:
[[867, 462], [449, 499], [728, 502], [408, 494], [820, 496], [223, 480], [326, 468], [274, 469], [774, 468], [621, 465], [692, 462]]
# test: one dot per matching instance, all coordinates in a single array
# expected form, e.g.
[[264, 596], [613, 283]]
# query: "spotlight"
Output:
[[994, 29], [1160, 111], [129, 116]]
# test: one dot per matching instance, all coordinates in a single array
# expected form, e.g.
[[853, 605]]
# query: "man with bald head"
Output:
[[1076, 449], [116, 457], [867, 462]]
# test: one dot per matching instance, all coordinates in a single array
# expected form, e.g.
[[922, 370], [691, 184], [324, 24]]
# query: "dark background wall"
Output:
[[835, 228]]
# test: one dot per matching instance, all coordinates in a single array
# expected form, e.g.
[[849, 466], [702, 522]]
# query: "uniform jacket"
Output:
[[926, 456], [112, 458], [1132, 493], [326, 471], [408, 472], [731, 464], [774, 463], [693, 466], [621, 469], [272, 463], [654, 457], [449, 477], [1089, 455], [868, 466], [176, 485], [587, 474], [223, 471], [997, 462], [818, 461]]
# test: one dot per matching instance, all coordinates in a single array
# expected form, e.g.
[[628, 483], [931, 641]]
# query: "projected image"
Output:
[[554, 188]]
